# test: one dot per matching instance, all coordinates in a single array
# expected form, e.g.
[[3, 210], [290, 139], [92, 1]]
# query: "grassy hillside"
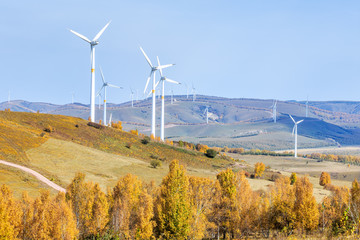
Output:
[[58, 146]]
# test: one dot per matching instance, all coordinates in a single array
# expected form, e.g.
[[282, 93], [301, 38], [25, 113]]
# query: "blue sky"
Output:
[[245, 49]]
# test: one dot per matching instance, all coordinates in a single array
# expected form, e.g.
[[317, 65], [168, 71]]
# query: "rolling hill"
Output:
[[233, 122], [59, 146]]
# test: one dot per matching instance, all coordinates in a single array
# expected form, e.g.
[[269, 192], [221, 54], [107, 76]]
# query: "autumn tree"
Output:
[[10, 214], [131, 210], [226, 209], [173, 211], [259, 169], [293, 178], [202, 193], [89, 205], [281, 213], [324, 179]]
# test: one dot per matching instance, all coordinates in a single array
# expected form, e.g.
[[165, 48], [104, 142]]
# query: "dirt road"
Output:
[[36, 174]]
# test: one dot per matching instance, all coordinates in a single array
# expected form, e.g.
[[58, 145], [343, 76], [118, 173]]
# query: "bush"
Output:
[[293, 178], [155, 163], [117, 125], [324, 179], [128, 145], [135, 132], [145, 140], [259, 169], [211, 153], [49, 129]]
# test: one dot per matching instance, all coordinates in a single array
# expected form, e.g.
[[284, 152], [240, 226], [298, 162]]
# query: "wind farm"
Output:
[[223, 136]]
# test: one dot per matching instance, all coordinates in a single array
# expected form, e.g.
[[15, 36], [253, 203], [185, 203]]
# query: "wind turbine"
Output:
[[132, 97], [172, 97], [153, 70], [99, 97], [295, 131], [104, 86], [110, 119], [72, 97], [93, 43], [307, 107], [187, 91], [274, 110], [193, 93], [207, 114], [163, 79]]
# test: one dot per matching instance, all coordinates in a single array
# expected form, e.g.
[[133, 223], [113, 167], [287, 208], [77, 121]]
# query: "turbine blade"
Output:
[[101, 32], [292, 118], [110, 118], [165, 66], [149, 94], [99, 92], [159, 65], [102, 76], [147, 58], [157, 83], [172, 81], [80, 36], [147, 82], [300, 121], [114, 86]]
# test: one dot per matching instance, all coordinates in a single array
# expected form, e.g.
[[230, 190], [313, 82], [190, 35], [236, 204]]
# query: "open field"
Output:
[[64, 159], [347, 150], [20, 181]]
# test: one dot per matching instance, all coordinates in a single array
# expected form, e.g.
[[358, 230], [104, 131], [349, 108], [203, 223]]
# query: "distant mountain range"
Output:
[[331, 122]]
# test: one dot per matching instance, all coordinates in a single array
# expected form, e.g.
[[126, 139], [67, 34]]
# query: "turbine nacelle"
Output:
[[94, 43]]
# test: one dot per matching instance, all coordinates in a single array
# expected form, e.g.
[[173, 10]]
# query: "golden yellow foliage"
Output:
[[324, 179]]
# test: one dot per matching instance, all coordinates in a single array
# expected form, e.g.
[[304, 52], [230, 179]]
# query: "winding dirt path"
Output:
[[36, 174]]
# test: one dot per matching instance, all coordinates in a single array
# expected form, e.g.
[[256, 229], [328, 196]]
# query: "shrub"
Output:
[[49, 129], [259, 169], [293, 178], [154, 156], [324, 179], [117, 125], [145, 140], [211, 153], [95, 125], [128, 145], [135, 132], [181, 143], [155, 163]]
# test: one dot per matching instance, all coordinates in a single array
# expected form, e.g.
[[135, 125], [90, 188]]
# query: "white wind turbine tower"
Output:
[[307, 107], [172, 97], [153, 70], [99, 95], [72, 97], [110, 119], [187, 91], [104, 86], [93, 43], [207, 114], [274, 110], [193, 93], [132, 97], [163, 79], [295, 131]]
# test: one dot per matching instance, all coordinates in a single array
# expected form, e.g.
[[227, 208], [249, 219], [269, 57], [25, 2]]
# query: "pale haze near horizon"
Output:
[[238, 49]]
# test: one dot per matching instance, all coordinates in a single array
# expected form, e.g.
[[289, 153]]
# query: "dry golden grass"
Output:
[[64, 159], [21, 131], [19, 182]]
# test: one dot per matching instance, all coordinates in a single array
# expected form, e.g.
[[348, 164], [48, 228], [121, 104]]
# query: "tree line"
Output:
[[181, 207]]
